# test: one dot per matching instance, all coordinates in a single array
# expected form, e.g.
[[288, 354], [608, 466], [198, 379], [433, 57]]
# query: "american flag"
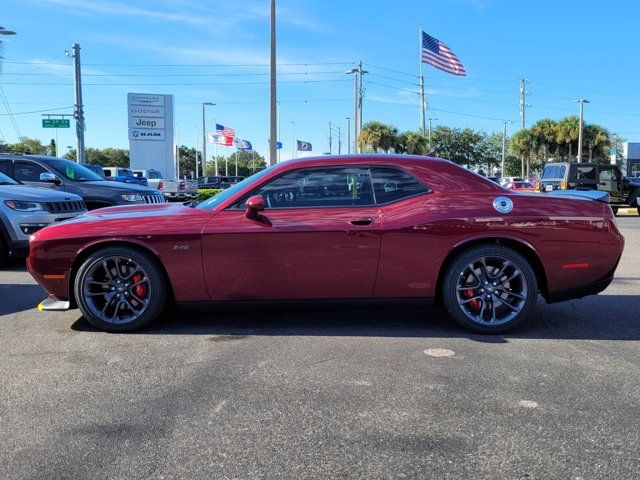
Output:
[[437, 54], [225, 131]]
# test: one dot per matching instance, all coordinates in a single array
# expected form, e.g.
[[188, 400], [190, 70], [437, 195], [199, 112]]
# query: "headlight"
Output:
[[134, 197], [23, 206]]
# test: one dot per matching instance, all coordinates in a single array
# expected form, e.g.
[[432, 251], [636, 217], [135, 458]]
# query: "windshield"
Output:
[[554, 171], [216, 200], [4, 180], [73, 171]]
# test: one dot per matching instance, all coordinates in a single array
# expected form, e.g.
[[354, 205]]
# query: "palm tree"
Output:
[[378, 136], [567, 133], [545, 131], [596, 138], [524, 144], [413, 143]]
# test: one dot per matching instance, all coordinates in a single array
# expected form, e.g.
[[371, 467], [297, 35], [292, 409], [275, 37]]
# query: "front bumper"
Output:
[[52, 304]]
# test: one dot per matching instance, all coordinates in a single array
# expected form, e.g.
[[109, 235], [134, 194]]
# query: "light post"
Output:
[[504, 149], [434, 119], [273, 121], [204, 140], [293, 139], [582, 101]]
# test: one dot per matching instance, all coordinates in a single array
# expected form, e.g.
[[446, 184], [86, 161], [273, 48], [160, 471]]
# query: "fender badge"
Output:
[[503, 204], [181, 247]]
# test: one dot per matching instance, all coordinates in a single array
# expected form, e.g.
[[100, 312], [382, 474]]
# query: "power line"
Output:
[[172, 74], [37, 111], [176, 84], [225, 65]]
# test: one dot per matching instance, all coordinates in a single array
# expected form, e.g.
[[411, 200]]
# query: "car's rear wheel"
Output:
[[490, 289], [120, 289]]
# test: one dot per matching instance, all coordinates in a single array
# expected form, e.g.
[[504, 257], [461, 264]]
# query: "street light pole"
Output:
[[504, 148], [273, 146], [204, 139], [582, 101], [348, 119], [78, 111]]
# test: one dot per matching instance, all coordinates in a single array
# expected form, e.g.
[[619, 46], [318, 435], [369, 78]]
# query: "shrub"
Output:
[[206, 193]]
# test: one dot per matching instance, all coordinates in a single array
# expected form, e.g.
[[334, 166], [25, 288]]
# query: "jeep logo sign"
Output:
[[142, 122], [150, 122]]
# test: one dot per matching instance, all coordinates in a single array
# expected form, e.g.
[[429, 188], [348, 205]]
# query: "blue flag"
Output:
[[243, 144], [278, 145]]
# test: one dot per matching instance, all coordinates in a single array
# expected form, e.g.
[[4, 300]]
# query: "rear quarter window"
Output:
[[554, 171]]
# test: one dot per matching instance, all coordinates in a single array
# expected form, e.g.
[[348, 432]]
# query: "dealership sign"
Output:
[[150, 122]]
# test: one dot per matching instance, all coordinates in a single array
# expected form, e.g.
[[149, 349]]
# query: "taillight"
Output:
[[160, 185]]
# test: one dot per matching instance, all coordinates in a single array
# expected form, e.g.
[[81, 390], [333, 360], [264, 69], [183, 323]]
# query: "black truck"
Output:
[[623, 192]]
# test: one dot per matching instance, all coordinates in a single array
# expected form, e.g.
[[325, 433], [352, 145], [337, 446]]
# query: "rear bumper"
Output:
[[581, 291]]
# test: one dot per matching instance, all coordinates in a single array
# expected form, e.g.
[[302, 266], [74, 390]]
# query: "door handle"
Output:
[[362, 222]]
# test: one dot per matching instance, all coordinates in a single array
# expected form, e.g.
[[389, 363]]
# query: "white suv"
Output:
[[25, 210]]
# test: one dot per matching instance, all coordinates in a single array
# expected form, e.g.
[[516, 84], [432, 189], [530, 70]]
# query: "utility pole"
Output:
[[273, 146], [339, 141], [434, 119], [582, 101], [523, 112], [278, 149], [78, 108], [358, 91], [348, 119], [330, 139]]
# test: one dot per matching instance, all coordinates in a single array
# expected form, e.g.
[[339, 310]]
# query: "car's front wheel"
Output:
[[120, 289], [490, 289]]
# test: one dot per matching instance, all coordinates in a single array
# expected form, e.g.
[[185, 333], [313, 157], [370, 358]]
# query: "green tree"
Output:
[[545, 132], [412, 143], [597, 141], [524, 144], [187, 161], [377, 136], [28, 145], [249, 162], [567, 135], [463, 147]]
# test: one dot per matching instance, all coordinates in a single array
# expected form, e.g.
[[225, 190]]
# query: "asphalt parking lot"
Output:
[[364, 391]]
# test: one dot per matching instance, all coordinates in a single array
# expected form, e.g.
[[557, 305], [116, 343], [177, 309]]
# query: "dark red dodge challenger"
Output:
[[352, 227]]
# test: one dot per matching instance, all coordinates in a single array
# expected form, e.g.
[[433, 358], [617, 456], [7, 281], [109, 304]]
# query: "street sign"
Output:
[[55, 123], [613, 152]]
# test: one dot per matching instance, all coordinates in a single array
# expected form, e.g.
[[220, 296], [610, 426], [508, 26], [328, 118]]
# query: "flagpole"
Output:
[[215, 146], [422, 96], [236, 160]]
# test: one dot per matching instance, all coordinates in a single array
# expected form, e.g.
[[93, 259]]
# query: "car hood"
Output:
[[131, 211], [129, 187], [34, 194]]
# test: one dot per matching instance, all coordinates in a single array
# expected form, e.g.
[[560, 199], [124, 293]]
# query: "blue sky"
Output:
[[565, 55]]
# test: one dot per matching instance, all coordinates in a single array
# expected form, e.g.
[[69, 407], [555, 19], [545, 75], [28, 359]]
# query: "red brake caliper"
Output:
[[140, 290], [474, 303]]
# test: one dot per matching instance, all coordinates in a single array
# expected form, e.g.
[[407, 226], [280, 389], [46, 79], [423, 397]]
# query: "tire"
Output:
[[505, 275], [120, 289], [615, 210]]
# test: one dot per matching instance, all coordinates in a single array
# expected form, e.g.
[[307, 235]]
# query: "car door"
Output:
[[610, 181], [320, 240]]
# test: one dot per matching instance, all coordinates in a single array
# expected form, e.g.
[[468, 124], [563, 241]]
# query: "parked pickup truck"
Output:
[[172, 189], [218, 182], [623, 192], [124, 175]]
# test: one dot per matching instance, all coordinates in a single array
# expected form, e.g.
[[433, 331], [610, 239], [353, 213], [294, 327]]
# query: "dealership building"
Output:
[[631, 159]]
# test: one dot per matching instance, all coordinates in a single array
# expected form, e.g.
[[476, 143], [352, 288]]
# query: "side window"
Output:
[[392, 184], [586, 173], [321, 187], [107, 172], [606, 174], [27, 171]]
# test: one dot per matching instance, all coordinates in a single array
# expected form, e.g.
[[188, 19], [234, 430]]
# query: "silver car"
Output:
[[25, 210]]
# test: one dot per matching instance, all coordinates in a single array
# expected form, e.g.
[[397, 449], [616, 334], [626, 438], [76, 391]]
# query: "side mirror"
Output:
[[49, 178], [255, 205]]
